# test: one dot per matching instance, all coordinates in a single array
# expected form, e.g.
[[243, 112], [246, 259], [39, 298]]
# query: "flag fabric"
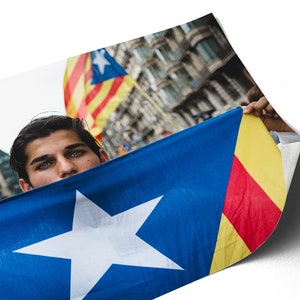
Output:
[[148, 222], [124, 148], [94, 86]]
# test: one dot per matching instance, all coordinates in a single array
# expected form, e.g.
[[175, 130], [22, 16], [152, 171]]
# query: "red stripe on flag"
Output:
[[93, 93], [249, 209], [117, 82], [88, 75], [82, 110], [74, 77]]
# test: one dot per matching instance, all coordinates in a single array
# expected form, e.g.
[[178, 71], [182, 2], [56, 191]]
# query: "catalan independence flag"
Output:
[[94, 86], [147, 222]]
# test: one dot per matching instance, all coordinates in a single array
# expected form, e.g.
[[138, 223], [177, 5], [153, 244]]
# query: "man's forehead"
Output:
[[56, 140]]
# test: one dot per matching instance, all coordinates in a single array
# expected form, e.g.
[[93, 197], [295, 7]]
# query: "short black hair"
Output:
[[42, 127]]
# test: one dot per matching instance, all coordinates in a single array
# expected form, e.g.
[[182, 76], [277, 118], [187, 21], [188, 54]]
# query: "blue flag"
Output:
[[136, 227], [104, 66]]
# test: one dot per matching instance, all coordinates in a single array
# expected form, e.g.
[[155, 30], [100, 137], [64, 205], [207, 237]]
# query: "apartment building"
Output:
[[185, 75], [8, 179]]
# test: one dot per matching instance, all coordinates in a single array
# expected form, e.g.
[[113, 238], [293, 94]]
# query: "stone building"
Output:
[[8, 179], [185, 75]]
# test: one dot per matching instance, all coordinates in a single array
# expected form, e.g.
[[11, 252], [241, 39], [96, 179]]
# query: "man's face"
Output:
[[57, 156]]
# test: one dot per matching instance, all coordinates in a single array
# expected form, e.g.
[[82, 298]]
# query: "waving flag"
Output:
[[94, 86], [147, 222]]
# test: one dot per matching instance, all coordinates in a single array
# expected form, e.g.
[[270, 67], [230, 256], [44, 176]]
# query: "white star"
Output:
[[100, 60], [98, 240]]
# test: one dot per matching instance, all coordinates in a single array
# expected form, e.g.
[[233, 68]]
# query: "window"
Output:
[[154, 72], [208, 49], [186, 28], [165, 54], [149, 38], [141, 53], [169, 93], [181, 78]]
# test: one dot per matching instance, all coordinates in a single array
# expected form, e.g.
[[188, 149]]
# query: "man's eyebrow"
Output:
[[38, 159], [73, 146]]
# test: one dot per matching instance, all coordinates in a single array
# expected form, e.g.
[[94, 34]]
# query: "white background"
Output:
[[38, 36]]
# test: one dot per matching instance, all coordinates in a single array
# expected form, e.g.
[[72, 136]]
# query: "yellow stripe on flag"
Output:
[[230, 248], [71, 63]]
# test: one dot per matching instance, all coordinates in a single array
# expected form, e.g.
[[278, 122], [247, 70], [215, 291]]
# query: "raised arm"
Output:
[[263, 109]]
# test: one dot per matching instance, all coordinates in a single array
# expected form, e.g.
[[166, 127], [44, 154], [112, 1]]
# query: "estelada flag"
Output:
[[124, 149], [147, 222], [94, 86]]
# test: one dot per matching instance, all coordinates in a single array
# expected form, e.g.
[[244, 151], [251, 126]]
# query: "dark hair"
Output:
[[42, 127], [254, 93]]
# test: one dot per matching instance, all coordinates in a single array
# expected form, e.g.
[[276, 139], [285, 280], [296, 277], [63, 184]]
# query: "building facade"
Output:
[[9, 183], [185, 75]]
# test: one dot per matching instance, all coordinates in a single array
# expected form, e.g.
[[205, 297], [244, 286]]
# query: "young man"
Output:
[[52, 148], [56, 147]]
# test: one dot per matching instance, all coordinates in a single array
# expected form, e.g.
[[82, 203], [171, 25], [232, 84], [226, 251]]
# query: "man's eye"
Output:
[[43, 165], [76, 153]]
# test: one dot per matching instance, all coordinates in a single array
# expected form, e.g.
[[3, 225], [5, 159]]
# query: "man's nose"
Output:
[[66, 168]]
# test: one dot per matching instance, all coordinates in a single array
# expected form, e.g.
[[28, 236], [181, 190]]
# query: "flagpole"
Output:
[[157, 107]]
